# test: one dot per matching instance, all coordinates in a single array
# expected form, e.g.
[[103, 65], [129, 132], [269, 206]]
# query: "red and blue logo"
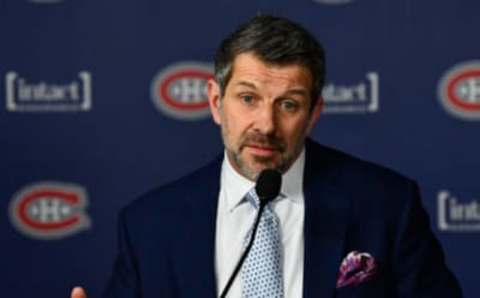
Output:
[[50, 210], [459, 90], [180, 90]]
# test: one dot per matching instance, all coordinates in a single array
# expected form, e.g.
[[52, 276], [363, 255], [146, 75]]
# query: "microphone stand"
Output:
[[262, 203]]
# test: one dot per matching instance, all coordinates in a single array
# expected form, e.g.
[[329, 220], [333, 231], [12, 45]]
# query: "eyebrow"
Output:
[[301, 92], [247, 84]]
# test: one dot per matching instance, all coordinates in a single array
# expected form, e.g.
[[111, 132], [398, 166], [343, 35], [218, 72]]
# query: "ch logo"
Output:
[[180, 90], [459, 90], [50, 210]]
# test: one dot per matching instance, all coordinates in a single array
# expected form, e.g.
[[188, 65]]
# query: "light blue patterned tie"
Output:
[[262, 270]]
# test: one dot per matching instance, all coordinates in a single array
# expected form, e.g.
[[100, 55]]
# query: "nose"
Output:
[[265, 120]]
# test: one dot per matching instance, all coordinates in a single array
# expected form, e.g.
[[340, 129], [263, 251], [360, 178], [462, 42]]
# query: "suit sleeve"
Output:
[[124, 281], [419, 262]]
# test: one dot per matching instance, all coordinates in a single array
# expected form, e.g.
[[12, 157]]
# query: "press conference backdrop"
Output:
[[104, 100]]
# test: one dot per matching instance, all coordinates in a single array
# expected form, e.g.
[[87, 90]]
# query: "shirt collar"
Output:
[[235, 186]]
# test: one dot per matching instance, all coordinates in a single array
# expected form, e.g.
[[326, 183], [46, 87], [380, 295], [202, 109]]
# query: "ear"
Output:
[[315, 114], [214, 100]]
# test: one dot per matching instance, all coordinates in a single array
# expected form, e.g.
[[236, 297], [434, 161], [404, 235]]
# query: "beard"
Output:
[[266, 162], [280, 162]]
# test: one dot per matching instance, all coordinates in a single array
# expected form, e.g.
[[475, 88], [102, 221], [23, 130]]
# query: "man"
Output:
[[341, 227]]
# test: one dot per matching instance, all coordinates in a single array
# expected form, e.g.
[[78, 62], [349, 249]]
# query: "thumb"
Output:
[[78, 292]]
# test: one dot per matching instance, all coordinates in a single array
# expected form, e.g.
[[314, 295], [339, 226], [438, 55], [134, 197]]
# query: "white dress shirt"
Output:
[[235, 217]]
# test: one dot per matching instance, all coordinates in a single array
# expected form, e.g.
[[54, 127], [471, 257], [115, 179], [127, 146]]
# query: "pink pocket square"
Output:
[[355, 269]]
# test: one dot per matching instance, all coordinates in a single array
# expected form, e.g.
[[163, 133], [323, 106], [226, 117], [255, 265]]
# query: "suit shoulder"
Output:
[[353, 168], [382, 191], [173, 195], [368, 183]]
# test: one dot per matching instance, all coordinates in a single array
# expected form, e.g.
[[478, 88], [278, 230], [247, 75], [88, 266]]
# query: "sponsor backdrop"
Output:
[[103, 100]]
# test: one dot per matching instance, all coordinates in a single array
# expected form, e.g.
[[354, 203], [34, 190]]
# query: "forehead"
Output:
[[247, 67]]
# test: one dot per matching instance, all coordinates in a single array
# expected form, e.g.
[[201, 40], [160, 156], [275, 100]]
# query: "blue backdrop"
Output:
[[103, 100]]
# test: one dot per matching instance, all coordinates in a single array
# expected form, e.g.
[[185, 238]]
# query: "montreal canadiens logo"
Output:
[[459, 90], [50, 210], [180, 90]]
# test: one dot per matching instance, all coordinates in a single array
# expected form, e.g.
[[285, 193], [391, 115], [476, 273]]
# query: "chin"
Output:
[[251, 165], [258, 167]]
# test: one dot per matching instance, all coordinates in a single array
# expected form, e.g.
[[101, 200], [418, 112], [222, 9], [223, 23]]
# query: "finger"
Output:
[[78, 292]]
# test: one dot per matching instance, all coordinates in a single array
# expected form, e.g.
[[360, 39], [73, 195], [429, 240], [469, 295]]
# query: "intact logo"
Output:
[[180, 90], [457, 215], [25, 95], [50, 210], [459, 90], [354, 97]]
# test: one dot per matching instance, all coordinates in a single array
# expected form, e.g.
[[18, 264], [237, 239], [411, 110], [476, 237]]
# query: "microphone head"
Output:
[[268, 185]]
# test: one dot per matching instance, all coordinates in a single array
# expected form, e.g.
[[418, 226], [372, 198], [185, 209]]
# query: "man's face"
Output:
[[264, 114]]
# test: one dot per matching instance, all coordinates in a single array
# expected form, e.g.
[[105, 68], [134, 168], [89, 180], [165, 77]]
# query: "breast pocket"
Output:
[[375, 288]]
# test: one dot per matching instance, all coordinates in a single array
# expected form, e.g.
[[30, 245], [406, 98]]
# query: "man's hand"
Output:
[[78, 292]]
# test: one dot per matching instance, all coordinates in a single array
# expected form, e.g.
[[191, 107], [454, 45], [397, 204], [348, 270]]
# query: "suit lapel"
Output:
[[326, 218]]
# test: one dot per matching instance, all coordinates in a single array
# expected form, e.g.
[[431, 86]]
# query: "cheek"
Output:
[[295, 131], [238, 123], [233, 127]]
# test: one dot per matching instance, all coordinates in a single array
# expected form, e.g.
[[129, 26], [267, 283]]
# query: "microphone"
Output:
[[267, 188], [268, 185]]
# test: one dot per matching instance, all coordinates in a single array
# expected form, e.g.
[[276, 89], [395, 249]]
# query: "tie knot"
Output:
[[254, 200]]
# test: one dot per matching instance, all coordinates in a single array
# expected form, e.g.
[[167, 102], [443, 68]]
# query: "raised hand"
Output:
[[78, 292]]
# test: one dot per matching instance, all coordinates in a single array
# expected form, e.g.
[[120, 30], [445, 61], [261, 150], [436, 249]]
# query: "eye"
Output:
[[247, 99], [289, 105]]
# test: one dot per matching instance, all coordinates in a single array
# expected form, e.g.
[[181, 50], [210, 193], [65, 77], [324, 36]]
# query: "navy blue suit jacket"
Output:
[[167, 237]]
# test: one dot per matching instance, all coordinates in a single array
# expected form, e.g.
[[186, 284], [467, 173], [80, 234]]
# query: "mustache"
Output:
[[259, 139]]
